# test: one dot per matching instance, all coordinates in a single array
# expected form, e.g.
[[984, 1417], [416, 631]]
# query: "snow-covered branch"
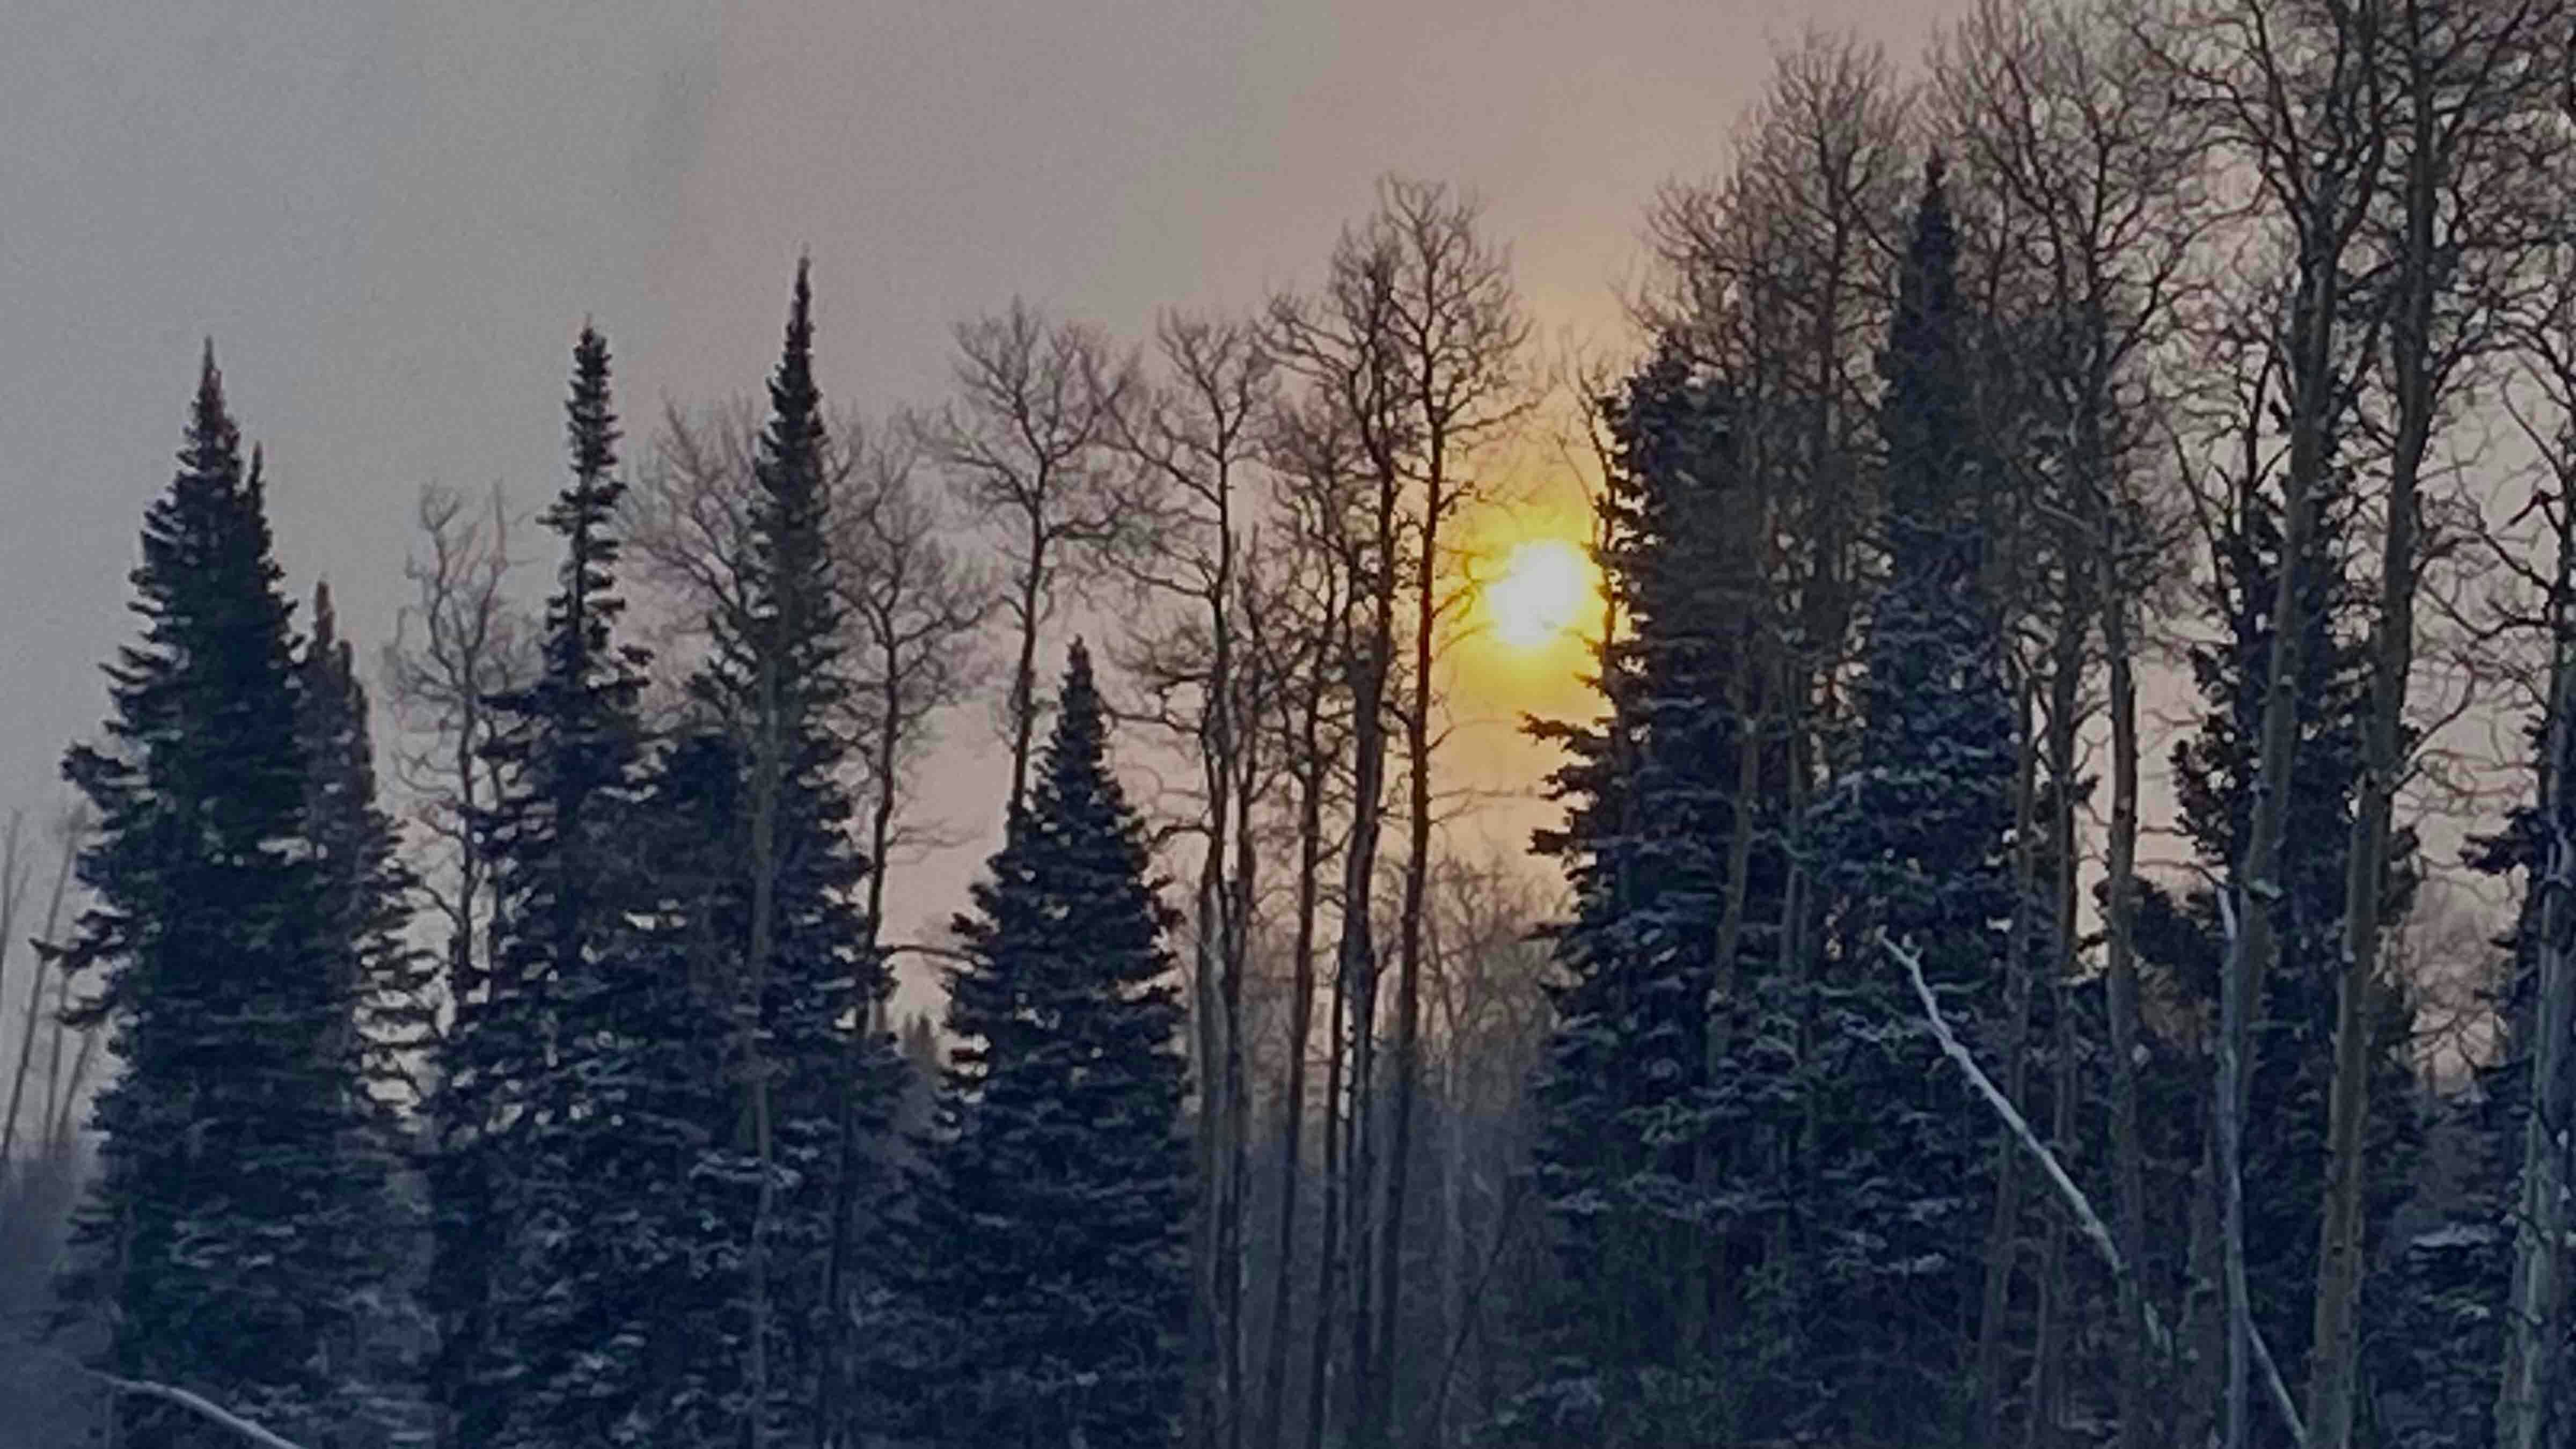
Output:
[[197, 1405], [2086, 1219]]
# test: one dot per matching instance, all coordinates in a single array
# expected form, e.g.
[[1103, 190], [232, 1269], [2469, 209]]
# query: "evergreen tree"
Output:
[[357, 849], [678, 1264], [1054, 1205], [1665, 1109], [364, 914], [539, 1340], [228, 1241], [816, 1090], [1917, 835]]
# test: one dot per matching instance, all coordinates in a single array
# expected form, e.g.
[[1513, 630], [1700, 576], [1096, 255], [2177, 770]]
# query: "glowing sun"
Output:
[[1540, 594]]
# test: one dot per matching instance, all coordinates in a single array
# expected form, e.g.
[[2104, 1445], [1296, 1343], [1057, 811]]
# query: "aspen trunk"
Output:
[[2341, 1251], [2535, 1321], [1301, 1021], [2137, 1362], [1332, 1201], [1379, 1427]]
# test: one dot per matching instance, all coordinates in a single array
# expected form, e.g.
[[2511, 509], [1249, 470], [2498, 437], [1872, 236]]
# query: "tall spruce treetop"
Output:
[[1057, 1192], [777, 653], [220, 1240], [1917, 836], [772, 692], [1939, 742], [572, 737], [1937, 478], [537, 1060], [569, 743]]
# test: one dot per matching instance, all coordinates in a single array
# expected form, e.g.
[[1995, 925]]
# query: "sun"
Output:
[[1540, 594]]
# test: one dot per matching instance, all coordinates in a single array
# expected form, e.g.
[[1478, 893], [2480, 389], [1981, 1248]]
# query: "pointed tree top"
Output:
[[795, 431], [1074, 761], [325, 624], [214, 443], [796, 366], [590, 423]]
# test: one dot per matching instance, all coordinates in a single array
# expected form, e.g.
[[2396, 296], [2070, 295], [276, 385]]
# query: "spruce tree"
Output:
[[357, 849], [1053, 1207], [1917, 834], [685, 1262], [364, 915], [227, 1243], [815, 1088], [1664, 1111], [539, 1342]]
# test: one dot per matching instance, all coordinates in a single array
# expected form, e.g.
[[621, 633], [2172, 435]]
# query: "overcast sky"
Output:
[[393, 217]]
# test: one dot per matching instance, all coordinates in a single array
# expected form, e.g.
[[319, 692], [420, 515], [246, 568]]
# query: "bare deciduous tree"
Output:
[[460, 641], [2289, 97], [1416, 340], [910, 611], [1193, 434], [1024, 443]]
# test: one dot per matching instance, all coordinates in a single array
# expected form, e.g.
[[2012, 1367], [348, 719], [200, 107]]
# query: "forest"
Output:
[[2052, 927]]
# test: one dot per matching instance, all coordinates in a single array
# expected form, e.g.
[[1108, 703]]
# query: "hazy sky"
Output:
[[393, 217]]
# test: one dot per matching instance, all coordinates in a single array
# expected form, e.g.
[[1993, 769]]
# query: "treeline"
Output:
[[1868, 1089]]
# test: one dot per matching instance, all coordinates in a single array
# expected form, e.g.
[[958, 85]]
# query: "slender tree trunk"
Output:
[[2340, 1250], [1453, 1229], [35, 1002], [58, 1103], [1301, 1020], [1238, 1101], [13, 889], [1359, 964], [867, 1024], [2127, 1152], [1334, 1203], [1208, 1049], [2255, 944], [1024, 674], [2535, 1320], [2048, 1377], [1380, 1429]]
